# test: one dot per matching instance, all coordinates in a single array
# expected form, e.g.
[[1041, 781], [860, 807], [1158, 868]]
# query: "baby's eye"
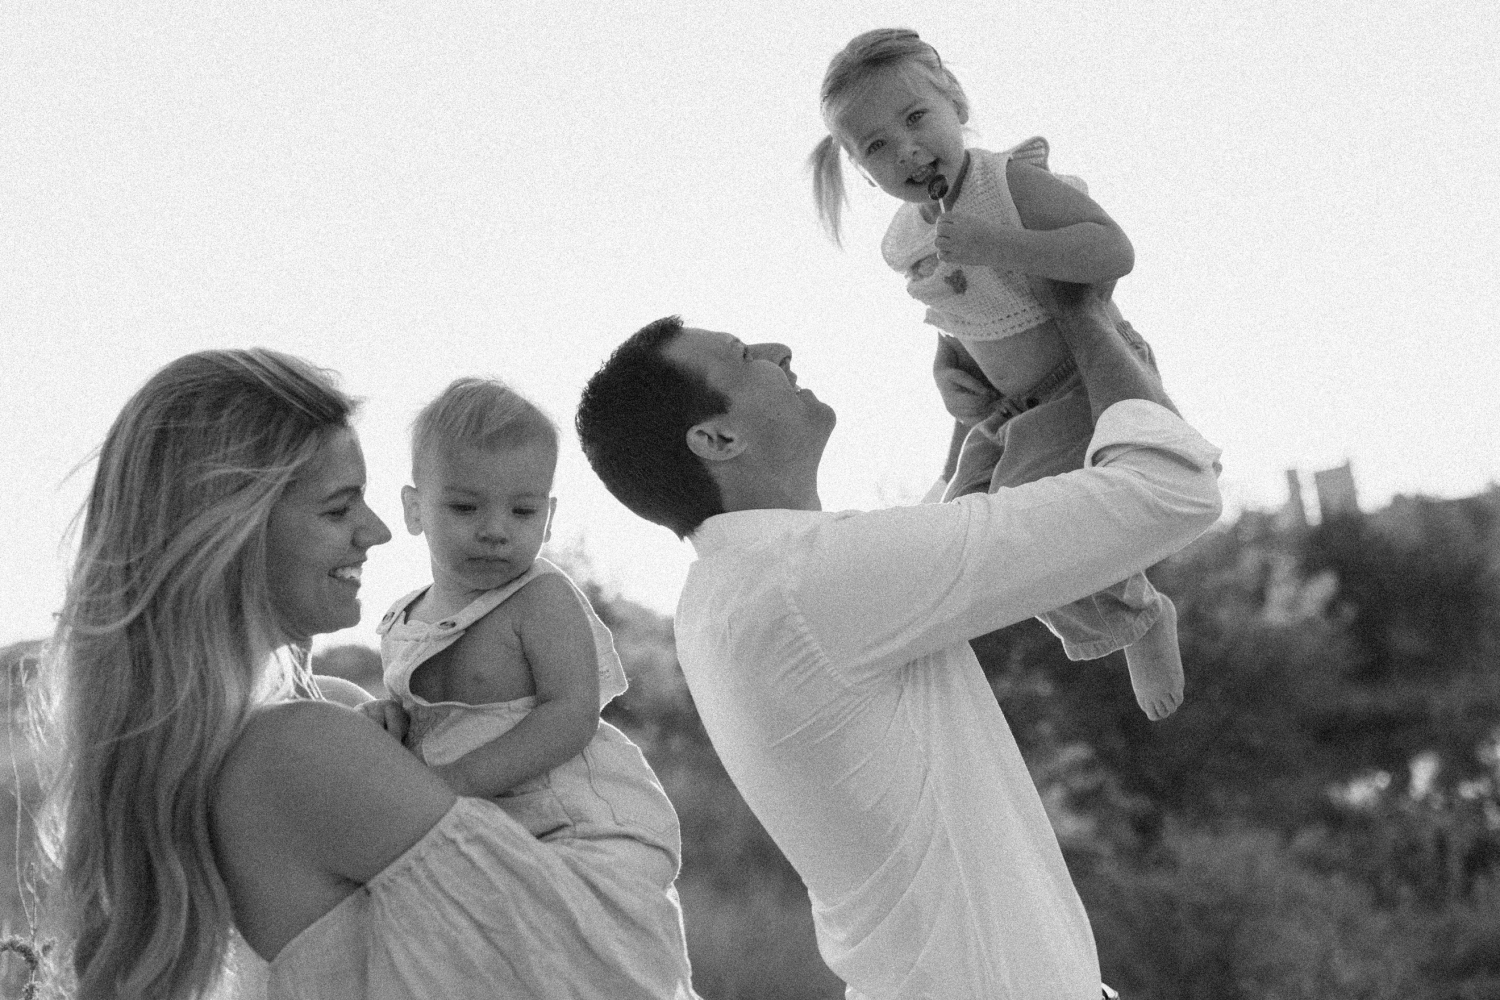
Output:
[[915, 116], [874, 147], [524, 511], [461, 508]]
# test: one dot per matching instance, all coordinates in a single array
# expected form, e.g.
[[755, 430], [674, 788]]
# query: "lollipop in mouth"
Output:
[[937, 188]]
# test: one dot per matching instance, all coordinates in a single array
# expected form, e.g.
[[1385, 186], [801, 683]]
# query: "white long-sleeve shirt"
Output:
[[828, 657]]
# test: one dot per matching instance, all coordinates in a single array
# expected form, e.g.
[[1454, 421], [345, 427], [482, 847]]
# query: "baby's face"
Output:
[[903, 132], [485, 512]]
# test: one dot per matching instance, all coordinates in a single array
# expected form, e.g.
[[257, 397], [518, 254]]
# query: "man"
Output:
[[828, 653]]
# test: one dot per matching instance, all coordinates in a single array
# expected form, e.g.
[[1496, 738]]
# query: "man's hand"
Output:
[[967, 394], [967, 239], [389, 715], [967, 398]]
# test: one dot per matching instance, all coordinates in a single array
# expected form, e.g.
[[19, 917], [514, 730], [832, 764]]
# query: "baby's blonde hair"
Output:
[[482, 413], [849, 75]]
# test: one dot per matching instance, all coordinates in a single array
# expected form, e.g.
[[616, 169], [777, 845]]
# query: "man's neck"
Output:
[[744, 490]]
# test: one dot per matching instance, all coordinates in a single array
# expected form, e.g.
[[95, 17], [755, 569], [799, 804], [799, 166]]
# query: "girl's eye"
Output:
[[873, 147], [524, 512], [461, 508]]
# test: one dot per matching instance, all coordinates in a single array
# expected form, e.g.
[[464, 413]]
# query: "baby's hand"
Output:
[[967, 398], [965, 239], [389, 715], [455, 778]]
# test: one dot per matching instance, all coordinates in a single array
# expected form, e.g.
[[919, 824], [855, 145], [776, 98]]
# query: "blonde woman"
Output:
[[204, 785]]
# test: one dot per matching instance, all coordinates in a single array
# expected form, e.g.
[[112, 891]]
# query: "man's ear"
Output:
[[714, 440], [411, 511]]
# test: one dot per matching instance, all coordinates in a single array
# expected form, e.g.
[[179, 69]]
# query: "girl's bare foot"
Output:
[[1156, 666]]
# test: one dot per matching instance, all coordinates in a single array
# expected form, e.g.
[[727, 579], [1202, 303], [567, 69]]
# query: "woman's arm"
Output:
[[559, 648], [1066, 235], [326, 790]]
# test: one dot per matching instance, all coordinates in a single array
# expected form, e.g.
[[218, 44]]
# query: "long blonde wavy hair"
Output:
[[849, 76], [166, 636]]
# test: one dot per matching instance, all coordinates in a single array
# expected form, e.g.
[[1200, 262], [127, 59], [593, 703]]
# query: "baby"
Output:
[[501, 663]]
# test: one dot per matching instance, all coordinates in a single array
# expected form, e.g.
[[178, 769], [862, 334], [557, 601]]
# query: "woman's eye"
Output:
[[339, 512]]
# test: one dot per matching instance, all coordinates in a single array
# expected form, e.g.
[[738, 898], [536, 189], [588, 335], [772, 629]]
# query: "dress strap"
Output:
[[398, 610]]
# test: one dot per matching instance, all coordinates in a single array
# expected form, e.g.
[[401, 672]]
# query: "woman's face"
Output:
[[316, 541]]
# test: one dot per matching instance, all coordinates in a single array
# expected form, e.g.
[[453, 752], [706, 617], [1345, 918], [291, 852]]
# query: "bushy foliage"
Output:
[[1321, 818]]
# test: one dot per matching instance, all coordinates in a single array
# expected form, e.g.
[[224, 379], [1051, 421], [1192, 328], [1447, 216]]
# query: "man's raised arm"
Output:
[[1110, 368]]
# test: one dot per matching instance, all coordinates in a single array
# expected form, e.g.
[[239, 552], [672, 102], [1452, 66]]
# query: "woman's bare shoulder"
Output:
[[330, 785]]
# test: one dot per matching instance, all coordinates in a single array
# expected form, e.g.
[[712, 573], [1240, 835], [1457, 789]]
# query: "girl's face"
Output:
[[316, 540], [903, 132], [485, 512]]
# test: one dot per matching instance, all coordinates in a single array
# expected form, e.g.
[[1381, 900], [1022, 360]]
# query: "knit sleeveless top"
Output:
[[972, 302]]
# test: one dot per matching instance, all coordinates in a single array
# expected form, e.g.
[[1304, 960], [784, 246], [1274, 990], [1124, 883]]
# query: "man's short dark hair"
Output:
[[633, 421]]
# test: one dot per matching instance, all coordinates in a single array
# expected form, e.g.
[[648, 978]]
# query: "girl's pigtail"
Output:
[[828, 185]]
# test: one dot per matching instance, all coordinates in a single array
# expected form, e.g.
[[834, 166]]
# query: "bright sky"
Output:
[[409, 192]]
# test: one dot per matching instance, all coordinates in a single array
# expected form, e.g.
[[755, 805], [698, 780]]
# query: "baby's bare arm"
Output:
[[559, 650]]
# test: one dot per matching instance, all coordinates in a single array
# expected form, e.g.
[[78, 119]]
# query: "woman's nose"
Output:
[[372, 530]]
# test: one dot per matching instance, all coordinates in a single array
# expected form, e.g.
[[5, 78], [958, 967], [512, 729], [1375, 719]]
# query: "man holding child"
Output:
[[828, 653]]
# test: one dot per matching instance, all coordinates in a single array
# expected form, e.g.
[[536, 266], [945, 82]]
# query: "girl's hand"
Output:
[[388, 714], [967, 239]]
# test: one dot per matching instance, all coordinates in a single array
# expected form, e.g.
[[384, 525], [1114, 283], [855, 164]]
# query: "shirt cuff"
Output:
[[1136, 423]]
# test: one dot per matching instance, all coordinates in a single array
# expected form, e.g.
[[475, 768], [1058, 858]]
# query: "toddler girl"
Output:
[[501, 663], [981, 238]]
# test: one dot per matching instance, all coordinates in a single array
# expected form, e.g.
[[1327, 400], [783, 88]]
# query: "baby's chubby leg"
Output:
[[1156, 665]]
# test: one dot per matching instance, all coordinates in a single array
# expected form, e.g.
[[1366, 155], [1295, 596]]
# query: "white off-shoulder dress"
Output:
[[478, 907]]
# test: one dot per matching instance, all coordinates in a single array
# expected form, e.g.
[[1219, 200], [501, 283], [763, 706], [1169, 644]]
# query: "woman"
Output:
[[203, 782]]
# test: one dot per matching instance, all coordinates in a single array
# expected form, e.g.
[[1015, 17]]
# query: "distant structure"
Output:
[[1295, 513], [1336, 495]]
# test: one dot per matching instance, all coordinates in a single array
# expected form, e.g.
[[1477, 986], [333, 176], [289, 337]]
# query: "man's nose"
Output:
[[778, 353]]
